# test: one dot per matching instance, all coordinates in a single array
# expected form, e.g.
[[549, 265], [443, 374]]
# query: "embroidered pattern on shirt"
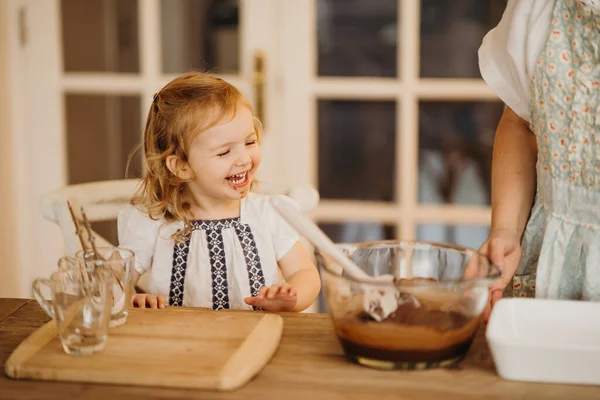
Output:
[[180, 254], [255, 272], [218, 262]]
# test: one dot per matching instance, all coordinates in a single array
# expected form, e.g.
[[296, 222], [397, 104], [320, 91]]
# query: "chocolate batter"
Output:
[[423, 333]]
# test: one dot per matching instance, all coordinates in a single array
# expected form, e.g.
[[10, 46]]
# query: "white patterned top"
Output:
[[220, 263]]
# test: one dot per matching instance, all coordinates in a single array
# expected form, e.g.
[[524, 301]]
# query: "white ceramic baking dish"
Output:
[[546, 340]]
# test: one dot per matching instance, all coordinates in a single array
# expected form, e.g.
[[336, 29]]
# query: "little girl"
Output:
[[543, 61], [194, 224]]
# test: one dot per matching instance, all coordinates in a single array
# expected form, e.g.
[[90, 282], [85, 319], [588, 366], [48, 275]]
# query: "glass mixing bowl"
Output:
[[426, 316]]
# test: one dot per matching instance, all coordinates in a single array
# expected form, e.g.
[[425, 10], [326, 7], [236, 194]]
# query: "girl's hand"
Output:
[[148, 301], [504, 250], [275, 298]]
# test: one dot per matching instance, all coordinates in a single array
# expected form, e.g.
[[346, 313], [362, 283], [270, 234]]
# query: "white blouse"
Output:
[[509, 52], [220, 263]]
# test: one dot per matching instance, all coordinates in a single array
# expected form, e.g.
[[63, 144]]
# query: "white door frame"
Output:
[[37, 144], [9, 279]]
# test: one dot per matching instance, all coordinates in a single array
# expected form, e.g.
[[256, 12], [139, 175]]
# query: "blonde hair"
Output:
[[185, 107]]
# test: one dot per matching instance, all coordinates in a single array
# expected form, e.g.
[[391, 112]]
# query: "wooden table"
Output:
[[308, 365]]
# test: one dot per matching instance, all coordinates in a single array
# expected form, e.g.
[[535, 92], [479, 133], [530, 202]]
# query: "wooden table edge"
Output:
[[7, 310]]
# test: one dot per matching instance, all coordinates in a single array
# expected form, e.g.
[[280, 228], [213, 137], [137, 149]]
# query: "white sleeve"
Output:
[[284, 237], [138, 233], [509, 52]]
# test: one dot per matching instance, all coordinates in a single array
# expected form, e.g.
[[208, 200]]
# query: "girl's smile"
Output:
[[239, 181]]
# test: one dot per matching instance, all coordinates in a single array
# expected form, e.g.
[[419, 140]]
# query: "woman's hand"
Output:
[[275, 298], [504, 250], [148, 301]]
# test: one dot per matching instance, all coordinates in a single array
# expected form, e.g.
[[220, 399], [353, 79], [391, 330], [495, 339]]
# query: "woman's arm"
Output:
[[513, 173], [513, 188]]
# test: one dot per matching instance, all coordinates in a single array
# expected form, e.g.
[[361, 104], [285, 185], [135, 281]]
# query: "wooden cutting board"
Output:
[[174, 347]]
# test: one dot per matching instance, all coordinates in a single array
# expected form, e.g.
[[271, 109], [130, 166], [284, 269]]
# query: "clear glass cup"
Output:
[[79, 301], [120, 262], [426, 317]]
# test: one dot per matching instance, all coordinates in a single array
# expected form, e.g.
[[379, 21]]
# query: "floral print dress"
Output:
[[561, 245]]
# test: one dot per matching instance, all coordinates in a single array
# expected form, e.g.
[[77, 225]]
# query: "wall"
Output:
[[9, 262], [32, 152]]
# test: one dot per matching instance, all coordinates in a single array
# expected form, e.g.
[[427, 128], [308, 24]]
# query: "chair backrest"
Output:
[[103, 200]]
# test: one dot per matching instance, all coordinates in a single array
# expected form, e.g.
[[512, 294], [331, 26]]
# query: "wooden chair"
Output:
[[103, 200]]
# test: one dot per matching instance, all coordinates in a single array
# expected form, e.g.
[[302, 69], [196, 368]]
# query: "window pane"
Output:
[[350, 232], [357, 38], [471, 236], [451, 33], [101, 133], [200, 35], [100, 35], [356, 149], [455, 151]]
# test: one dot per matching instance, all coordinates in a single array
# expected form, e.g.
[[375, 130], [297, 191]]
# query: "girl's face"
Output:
[[224, 159]]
